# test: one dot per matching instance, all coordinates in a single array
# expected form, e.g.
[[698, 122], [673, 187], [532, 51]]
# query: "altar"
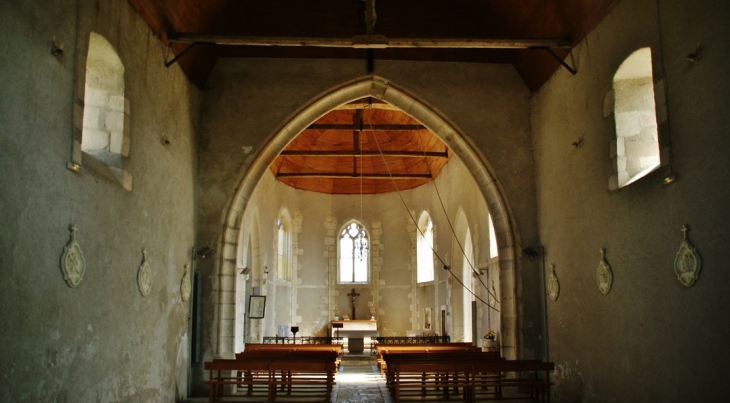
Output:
[[355, 331]]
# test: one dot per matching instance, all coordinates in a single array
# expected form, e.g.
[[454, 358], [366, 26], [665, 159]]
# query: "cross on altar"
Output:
[[352, 295]]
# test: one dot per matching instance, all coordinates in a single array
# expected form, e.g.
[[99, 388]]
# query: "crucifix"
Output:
[[352, 295]]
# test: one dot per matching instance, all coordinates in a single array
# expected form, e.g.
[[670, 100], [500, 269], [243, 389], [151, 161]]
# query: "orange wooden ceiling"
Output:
[[495, 19], [341, 160]]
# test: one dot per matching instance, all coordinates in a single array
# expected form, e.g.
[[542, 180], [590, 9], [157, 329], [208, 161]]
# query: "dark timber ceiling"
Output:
[[367, 146], [328, 19]]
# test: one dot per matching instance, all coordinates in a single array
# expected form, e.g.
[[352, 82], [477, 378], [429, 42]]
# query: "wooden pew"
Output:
[[515, 374], [479, 376], [421, 348], [299, 373], [442, 371], [249, 347]]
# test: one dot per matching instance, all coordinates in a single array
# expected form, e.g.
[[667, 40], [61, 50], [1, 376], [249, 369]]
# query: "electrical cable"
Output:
[[446, 267]]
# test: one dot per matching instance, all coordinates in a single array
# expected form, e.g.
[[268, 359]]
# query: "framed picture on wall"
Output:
[[256, 306], [427, 320]]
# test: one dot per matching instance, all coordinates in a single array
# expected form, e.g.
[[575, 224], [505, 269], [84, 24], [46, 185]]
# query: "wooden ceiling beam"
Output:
[[365, 153], [339, 175], [364, 128], [370, 105], [374, 42]]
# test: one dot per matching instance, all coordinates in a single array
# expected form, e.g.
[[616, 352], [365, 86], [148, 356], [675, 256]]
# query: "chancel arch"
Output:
[[458, 142]]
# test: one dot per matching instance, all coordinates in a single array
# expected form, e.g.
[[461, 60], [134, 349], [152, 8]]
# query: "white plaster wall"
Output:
[[396, 289], [102, 341], [650, 338]]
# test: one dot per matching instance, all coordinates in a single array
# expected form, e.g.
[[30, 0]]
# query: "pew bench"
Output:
[[337, 348], [421, 348], [467, 376], [517, 375], [436, 373], [264, 376]]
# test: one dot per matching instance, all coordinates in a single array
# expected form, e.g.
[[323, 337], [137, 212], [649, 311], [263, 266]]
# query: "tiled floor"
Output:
[[359, 381]]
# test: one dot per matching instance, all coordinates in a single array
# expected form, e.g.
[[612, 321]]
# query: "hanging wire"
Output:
[[359, 146], [473, 269], [463, 252], [446, 267]]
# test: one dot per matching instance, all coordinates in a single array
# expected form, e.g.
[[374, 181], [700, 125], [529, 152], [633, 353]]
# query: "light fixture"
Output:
[[74, 166], [56, 48], [696, 55], [204, 252], [530, 251], [667, 180]]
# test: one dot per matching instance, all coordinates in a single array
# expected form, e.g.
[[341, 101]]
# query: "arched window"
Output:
[[424, 249], [636, 151], [284, 246], [105, 127], [493, 248], [467, 289], [354, 249]]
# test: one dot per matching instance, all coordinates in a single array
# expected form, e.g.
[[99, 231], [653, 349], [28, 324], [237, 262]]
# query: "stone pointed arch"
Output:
[[384, 90]]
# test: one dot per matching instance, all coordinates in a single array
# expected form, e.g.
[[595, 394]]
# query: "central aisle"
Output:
[[359, 381]]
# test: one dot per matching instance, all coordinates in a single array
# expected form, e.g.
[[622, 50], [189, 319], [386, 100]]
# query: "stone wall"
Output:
[[650, 338], [102, 340]]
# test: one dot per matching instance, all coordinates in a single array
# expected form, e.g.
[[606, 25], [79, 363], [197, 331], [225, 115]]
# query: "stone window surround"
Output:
[[286, 222], [337, 255], [417, 233], [618, 147], [81, 160]]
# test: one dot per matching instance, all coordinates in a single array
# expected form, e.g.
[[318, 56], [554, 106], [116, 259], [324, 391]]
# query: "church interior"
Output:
[[205, 175]]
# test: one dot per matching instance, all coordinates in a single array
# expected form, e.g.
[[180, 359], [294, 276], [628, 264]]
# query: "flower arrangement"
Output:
[[490, 334]]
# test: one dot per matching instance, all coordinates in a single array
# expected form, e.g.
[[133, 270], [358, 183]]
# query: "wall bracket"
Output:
[[558, 58], [179, 55]]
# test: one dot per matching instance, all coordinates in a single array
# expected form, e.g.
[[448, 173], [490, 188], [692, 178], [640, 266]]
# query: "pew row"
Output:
[[422, 348], [470, 377], [250, 347], [260, 376]]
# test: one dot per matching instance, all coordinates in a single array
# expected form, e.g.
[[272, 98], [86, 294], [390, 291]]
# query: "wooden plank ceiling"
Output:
[[336, 155], [424, 19], [360, 149]]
